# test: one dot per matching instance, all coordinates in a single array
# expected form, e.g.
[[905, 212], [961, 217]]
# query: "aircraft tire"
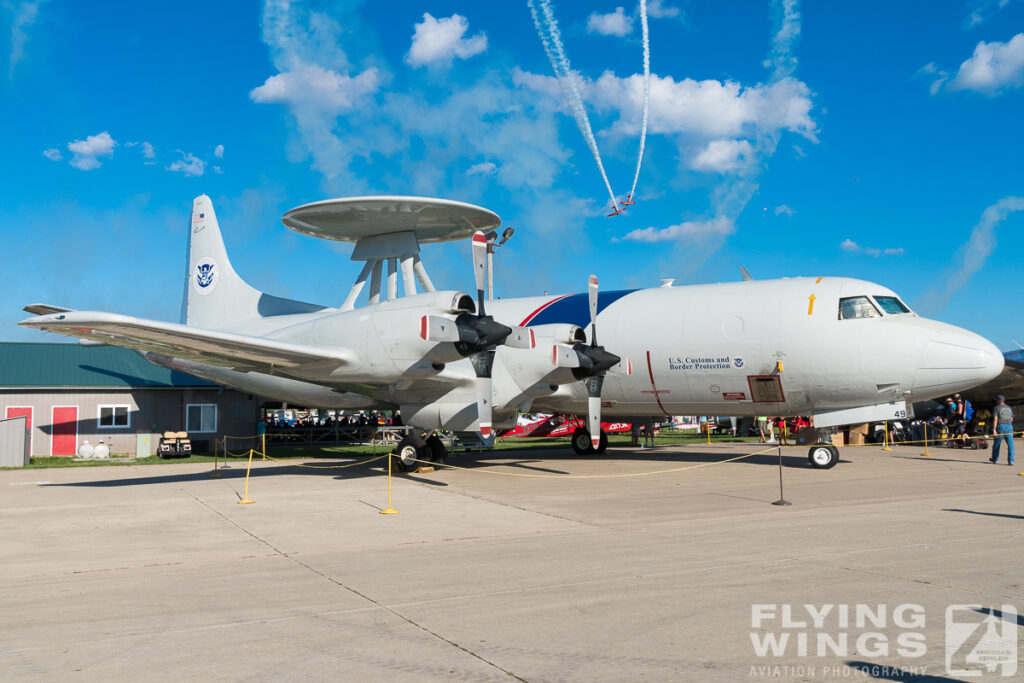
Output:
[[410, 449], [602, 445], [823, 456], [581, 442], [438, 451]]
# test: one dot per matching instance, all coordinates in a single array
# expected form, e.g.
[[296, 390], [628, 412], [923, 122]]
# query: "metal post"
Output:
[[885, 436], [926, 451], [782, 499], [215, 473], [246, 500], [389, 510]]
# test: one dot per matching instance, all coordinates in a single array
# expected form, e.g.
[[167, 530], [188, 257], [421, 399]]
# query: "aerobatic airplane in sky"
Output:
[[842, 350]]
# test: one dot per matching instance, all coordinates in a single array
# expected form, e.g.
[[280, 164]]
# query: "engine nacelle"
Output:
[[458, 416], [559, 333]]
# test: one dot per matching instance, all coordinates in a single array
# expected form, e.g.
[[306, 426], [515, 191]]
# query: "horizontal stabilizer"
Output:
[[226, 349], [43, 309]]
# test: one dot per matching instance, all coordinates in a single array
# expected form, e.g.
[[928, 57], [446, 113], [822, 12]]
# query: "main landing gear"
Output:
[[413, 450], [581, 442], [823, 456]]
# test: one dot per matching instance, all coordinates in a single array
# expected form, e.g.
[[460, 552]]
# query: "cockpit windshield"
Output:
[[857, 307], [892, 305]]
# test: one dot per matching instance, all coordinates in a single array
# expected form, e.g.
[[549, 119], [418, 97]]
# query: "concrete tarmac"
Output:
[[531, 565]]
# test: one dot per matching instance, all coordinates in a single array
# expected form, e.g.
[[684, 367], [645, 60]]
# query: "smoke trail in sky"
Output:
[[782, 60], [647, 94], [552, 40], [972, 255]]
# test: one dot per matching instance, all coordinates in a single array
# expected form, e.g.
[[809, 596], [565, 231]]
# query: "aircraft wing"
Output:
[[227, 349]]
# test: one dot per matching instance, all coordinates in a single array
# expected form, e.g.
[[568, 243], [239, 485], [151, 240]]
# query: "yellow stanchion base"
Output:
[[886, 448], [246, 501], [927, 453], [389, 511]]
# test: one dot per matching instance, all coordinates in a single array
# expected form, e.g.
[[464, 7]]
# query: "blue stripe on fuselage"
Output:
[[575, 309]]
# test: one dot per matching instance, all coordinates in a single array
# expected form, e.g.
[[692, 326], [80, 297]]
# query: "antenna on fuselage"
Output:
[[745, 274]]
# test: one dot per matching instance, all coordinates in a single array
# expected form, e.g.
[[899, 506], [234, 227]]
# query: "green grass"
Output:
[[336, 452]]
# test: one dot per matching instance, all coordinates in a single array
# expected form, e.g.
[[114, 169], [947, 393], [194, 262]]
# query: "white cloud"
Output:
[[148, 152], [937, 76], [86, 152], [218, 151], [317, 89], [852, 247], [719, 225], [439, 41], [483, 168], [993, 67], [657, 10], [983, 10], [708, 109], [189, 164], [25, 14], [613, 24], [53, 154], [972, 255], [314, 83], [784, 40], [783, 209], [722, 155]]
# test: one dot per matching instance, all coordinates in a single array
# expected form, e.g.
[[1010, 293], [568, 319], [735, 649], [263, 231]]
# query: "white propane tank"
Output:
[[85, 450], [102, 451]]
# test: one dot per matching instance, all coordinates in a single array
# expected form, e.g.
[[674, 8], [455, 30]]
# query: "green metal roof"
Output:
[[75, 365]]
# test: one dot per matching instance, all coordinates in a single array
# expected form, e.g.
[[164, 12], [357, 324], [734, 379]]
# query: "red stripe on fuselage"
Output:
[[650, 373], [530, 317]]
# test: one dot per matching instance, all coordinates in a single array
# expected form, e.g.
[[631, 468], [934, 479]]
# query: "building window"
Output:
[[201, 417], [114, 417]]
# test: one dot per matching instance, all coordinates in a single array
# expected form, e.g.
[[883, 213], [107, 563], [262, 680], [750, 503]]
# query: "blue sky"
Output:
[[872, 140]]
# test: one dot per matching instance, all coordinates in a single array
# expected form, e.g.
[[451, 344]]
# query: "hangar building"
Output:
[[72, 393]]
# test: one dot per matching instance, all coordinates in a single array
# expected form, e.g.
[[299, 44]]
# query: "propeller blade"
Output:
[[592, 294], [594, 385], [483, 405], [563, 356], [623, 367], [482, 364], [521, 338], [436, 328], [479, 266]]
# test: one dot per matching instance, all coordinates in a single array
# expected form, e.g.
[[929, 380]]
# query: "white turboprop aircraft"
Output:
[[842, 350]]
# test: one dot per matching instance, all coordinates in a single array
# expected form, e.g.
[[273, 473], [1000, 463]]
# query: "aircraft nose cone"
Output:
[[955, 359]]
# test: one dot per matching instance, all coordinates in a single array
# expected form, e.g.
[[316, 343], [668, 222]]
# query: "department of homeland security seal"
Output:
[[205, 277]]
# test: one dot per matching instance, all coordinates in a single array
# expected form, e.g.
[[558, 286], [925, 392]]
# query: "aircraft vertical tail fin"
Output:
[[214, 293], [215, 296]]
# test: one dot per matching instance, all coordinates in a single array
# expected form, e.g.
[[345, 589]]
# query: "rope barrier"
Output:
[[594, 476], [331, 467]]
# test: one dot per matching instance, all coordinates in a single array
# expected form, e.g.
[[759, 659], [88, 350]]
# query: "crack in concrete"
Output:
[[342, 585]]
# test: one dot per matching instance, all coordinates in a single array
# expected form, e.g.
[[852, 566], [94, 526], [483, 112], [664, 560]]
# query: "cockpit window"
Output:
[[892, 305], [857, 307]]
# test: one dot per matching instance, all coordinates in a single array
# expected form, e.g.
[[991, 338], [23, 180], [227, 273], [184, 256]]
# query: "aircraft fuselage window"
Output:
[[892, 305], [857, 307]]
